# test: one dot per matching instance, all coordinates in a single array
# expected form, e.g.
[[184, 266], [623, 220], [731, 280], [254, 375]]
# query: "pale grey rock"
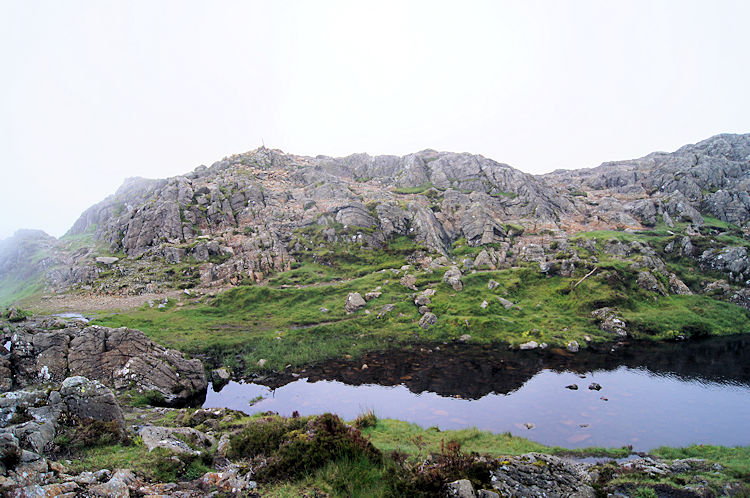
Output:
[[573, 346], [528, 345], [173, 439], [117, 487], [409, 281], [385, 310], [354, 302], [107, 260], [422, 300], [677, 286], [609, 320], [506, 303], [452, 277], [541, 476], [90, 399], [732, 261], [648, 282], [427, 320], [459, 489], [492, 284]]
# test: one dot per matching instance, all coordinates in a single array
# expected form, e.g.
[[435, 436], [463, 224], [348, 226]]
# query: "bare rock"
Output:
[[459, 489], [492, 284], [90, 399], [427, 320], [107, 260], [648, 282], [174, 439], [385, 310], [117, 487], [677, 286], [535, 476], [409, 281], [453, 278], [610, 321], [6, 376], [373, 295], [732, 261], [528, 345], [573, 346], [122, 358], [354, 302], [506, 303], [10, 450]]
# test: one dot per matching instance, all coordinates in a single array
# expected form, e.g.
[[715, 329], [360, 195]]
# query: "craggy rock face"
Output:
[[253, 214], [122, 358]]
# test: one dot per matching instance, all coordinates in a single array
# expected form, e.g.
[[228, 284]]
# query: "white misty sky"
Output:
[[93, 92]]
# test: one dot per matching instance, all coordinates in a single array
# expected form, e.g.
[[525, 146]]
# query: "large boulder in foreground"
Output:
[[91, 400], [122, 358], [126, 358]]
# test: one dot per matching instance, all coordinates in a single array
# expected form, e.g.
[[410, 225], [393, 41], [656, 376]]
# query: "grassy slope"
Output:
[[282, 321]]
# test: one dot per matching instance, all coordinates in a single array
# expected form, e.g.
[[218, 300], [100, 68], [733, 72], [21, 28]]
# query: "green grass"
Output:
[[158, 465], [389, 435], [413, 190], [735, 459], [14, 291], [686, 316], [282, 322]]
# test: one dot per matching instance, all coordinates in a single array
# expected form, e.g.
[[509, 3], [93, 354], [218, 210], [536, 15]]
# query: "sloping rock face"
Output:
[[121, 358], [711, 177]]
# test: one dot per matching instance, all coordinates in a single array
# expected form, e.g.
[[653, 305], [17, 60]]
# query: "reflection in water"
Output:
[[652, 395]]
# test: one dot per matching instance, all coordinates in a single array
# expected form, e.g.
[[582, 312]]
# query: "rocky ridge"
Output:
[[253, 214]]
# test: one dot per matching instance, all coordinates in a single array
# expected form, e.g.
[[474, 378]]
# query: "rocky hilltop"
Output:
[[254, 214]]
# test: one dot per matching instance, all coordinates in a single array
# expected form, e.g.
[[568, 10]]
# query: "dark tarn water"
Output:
[[651, 394]]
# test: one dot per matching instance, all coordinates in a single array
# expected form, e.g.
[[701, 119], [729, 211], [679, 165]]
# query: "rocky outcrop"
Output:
[[175, 439], [732, 261], [91, 400], [254, 214], [536, 475], [610, 321], [711, 176], [30, 419], [122, 358]]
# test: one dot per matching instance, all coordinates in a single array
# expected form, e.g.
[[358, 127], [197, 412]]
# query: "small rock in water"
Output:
[[594, 386], [529, 425], [583, 425], [604, 399], [572, 387]]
